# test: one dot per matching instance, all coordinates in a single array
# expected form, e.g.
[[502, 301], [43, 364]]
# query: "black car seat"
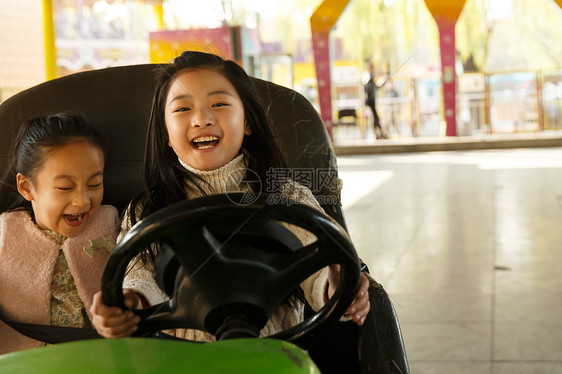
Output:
[[117, 100]]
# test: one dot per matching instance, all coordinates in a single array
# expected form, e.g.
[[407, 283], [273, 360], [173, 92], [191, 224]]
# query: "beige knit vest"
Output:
[[27, 259]]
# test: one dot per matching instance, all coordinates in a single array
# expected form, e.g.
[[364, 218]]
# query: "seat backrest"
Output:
[[117, 101]]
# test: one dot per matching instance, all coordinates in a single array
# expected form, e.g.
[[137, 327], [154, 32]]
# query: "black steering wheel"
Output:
[[236, 263]]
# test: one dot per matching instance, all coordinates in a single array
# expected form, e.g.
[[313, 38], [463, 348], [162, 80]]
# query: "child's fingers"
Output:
[[119, 326], [362, 295], [360, 306], [98, 308], [115, 333], [96, 303], [360, 311], [112, 322], [363, 284], [125, 319], [116, 326]]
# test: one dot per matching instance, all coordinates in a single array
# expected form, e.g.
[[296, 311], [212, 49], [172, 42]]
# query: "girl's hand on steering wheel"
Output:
[[113, 322], [360, 305]]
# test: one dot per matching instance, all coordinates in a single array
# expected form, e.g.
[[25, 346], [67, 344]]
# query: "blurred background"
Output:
[[467, 243], [507, 69]]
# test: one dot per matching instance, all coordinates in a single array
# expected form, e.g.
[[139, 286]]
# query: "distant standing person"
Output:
[[370, 93]]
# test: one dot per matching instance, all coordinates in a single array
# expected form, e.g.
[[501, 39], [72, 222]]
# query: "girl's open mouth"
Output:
[[205, 142], [74, 219]]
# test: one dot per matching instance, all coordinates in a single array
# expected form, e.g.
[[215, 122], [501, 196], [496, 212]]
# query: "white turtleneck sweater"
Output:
[[223, 180]]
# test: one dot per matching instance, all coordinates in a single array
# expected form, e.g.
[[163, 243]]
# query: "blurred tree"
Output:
[[239, 13], [513, 35], [491, 34], [359, 26], [538, 26], [293, 21], [228, 18], [388, 32], [472, 33]]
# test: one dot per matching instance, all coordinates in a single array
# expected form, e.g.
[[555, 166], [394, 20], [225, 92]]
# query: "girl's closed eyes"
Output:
[[98, 182], [92, 186]]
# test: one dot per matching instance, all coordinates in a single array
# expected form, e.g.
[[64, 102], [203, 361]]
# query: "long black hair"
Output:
[[34, 140], [164, 177]]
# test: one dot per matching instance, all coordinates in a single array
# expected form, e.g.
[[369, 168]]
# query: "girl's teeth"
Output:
[[205, 142], [206, 139]]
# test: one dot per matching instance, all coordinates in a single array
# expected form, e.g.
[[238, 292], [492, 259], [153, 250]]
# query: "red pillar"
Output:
[[447, 44], [321, 22], [446, 13], [320, 44]]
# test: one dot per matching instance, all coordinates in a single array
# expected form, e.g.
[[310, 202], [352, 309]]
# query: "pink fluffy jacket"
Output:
[[27, 260]]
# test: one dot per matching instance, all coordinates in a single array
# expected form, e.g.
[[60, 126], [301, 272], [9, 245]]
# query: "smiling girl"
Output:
[[55, 237], [207, 131]]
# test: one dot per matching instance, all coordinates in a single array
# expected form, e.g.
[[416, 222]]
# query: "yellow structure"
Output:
[[159, 10], [49, 37], [327, 14], [450, 9]]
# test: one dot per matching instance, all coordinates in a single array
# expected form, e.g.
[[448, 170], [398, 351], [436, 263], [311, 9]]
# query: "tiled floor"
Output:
[[468, 244]]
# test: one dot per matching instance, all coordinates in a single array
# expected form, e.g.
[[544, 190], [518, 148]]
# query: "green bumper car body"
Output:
[[145, 355]]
